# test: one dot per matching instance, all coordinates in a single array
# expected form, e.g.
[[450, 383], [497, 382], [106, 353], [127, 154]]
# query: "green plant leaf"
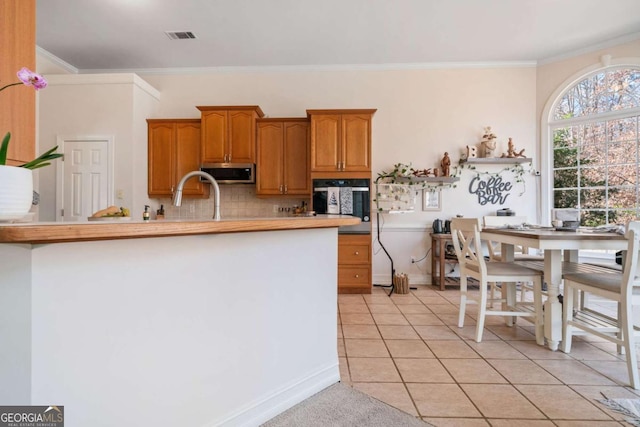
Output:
[[4, 149], [44, 157]]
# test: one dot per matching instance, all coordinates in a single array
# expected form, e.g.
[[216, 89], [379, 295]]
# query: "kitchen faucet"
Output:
[[177, 197]]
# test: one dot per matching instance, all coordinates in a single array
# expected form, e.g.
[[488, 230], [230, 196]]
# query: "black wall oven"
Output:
[[347, 197]]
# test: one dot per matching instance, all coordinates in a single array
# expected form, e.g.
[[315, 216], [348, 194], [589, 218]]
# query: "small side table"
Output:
[[439, 259]]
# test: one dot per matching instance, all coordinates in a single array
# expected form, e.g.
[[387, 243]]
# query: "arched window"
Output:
[[595, 147]]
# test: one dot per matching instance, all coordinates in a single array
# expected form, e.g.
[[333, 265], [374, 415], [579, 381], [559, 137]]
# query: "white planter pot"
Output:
[[16, 192]]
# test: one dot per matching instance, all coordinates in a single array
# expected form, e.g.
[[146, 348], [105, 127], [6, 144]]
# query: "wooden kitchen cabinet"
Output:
[[340, 140], [228, 133], [354, 263], [283, 157], [174, 150], [18, 104]]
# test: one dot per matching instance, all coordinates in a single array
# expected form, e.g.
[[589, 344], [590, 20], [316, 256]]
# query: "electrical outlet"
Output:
[[192, 208], [275, 208]]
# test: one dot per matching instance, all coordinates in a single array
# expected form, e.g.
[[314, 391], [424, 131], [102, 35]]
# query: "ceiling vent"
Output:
[[180, 35]]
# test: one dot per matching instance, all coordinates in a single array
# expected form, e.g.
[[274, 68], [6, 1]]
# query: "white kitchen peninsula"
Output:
[[169, 323]]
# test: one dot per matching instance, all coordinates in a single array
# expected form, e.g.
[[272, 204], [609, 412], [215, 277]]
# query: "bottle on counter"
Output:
[[146, 213], [160, 212]]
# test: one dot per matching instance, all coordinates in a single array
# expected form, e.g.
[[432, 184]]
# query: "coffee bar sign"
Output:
[[491, 190]]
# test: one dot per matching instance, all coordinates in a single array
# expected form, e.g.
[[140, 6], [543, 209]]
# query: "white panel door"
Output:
[[86, 178]]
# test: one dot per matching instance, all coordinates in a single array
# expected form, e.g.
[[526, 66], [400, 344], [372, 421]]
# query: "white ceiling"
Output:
[[104, 35]]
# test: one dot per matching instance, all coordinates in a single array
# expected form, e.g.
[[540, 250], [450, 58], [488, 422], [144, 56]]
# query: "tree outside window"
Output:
[[595, 148]]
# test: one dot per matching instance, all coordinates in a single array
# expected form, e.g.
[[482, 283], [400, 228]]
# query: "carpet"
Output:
[[342, 406], [628, 407]]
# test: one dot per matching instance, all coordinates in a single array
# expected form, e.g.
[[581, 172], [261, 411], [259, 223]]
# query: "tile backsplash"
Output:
[[236, 201]]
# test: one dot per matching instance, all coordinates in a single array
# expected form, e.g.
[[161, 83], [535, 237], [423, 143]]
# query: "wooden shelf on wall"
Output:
[[496, 160], [428, 179]]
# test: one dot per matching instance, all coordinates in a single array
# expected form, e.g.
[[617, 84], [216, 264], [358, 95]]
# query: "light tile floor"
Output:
[[407, 351]]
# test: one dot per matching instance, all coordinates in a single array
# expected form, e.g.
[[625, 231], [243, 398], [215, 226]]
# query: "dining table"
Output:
[[557, 246]]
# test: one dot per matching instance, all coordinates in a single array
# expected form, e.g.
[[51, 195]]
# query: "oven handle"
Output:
[[352, 189]]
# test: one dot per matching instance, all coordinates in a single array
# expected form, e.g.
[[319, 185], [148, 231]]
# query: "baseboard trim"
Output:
[[260, 411]]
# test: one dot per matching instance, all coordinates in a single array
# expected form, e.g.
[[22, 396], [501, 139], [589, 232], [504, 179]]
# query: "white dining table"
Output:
[[554, 244]]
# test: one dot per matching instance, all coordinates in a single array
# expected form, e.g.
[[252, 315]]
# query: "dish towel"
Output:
[[346, 200], [333, 200]]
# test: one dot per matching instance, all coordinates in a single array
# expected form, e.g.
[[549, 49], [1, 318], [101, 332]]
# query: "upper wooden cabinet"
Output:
[[18, 104], [174, 150], [283, 157], [340, 140], [228, 133]]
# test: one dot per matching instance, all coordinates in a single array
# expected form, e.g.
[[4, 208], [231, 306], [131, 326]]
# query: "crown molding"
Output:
[[604, 45], [103, 79]]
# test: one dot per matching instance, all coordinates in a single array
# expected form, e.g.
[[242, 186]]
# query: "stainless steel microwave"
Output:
[[231, 173]]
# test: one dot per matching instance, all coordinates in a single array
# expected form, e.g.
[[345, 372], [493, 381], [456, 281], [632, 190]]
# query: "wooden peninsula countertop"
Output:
[[54, 232]]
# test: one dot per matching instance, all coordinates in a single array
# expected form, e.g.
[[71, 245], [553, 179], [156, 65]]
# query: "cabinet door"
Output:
[[188, 157], [270, 157], [214, 136], [161, 158], [325, 142], [242, 136], [356, 142], [18, 105], [296, 159]]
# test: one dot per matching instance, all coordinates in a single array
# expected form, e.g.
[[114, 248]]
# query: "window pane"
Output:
[[593, 154], [565, 199], [593, 218], [623, 216], [593, 198], [624, 152], [565, 137], [613, 90], [593, 176], [593, 133], [565, 178], [622, 175], [622, 198], [622, 130], [564, 157]]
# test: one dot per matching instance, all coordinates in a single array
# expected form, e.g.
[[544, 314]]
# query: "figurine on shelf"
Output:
[[472, 151], [421, 172], [445, 164], [435, 172], [511, 151], [488, 144]]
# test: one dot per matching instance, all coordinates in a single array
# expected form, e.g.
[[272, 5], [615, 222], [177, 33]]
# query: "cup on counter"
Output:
[[556, 223]]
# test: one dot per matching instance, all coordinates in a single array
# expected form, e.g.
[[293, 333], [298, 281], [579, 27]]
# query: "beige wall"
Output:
[[421, 114]]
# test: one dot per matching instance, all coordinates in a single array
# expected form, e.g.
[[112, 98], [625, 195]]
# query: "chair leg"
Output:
[[509, 295], [567, 315], [463, 299], [537, 306], [626, 327], [620, 348], [482, 310]]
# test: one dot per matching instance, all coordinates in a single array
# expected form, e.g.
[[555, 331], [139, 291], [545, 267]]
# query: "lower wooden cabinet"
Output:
[[354, 263]]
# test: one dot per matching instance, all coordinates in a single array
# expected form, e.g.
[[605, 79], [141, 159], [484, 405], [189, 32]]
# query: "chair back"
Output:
[[630, 270], [465, 233]]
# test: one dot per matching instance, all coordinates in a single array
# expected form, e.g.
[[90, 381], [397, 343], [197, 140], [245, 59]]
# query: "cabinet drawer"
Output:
[[354, 249], [354, 276]]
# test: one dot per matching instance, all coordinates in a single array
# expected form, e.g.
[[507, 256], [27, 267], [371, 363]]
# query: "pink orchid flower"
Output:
[[30, 78]]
